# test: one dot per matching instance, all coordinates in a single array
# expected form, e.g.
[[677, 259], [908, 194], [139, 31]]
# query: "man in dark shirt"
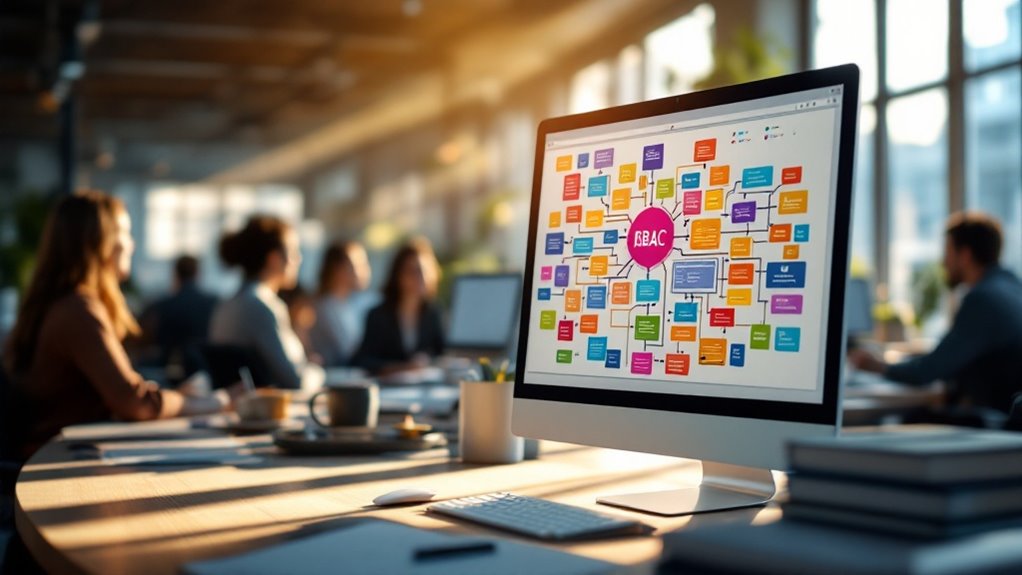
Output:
[[179, 323], [981, 356]]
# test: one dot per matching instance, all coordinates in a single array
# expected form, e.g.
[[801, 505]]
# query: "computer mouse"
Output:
[[402, 496]]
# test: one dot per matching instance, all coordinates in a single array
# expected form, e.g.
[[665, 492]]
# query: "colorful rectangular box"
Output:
[[565, 330], [705, 150], [793, 202], [563, 163], [596, 297], [626, 173], [743, 212], [677, 364], [712, 351], [613, 359], [554, 244], [598, 265], [791, 252], [690, 181], [642, 363], [647, 291], [582, 246], [564, 356], [787, 339], [543, 294], [572, 300], [686, 311], [694, 276], [722, 317], [759, 336], [572, 187], [741, 274], [786, 304], [720, 175], [583, 160], [621, 293], [598, 186], [737, 355], [739, 296], [547, 319], [792, 175], [589, 324], [741, 247], [783, 275], [704, 234], [714, 199], [603, 158], [683, 333], [594, 218], [692, 203], [758, 177], [801, 233], [546, 273], [647, 327], [780, 233], [561, 276], [621, 199], [653, 157], [573, 215], [554, 221], [665, 188], [596, 349]]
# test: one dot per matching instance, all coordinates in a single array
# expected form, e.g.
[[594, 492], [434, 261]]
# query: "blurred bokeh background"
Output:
[[376, 120]]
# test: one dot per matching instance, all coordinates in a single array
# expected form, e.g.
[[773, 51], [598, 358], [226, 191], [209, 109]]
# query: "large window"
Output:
[[924, 66]]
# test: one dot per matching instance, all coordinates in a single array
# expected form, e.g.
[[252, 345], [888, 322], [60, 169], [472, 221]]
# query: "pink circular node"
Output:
[[651, 237]]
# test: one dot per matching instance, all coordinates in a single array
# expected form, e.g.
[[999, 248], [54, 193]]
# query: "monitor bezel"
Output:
[[826, 412], [475, 346]]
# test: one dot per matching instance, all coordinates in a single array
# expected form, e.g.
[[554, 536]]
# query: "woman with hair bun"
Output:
[[266, 251]]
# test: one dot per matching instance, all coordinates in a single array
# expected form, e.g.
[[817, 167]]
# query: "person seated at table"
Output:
[[266, 250], [405, 332], [342, 303], [179, 324], [981, 355], [65, 355]]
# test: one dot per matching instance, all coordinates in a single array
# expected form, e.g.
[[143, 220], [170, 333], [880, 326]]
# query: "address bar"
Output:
[[661, 128]]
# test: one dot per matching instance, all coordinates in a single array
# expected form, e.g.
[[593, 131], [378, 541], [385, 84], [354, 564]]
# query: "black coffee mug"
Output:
[[349, 405]]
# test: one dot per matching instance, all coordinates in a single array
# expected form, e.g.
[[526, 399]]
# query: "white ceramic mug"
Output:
[[484, 418]]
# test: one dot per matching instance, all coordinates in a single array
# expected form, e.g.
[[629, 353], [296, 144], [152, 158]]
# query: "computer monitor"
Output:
[[685, 278], [484, 312], [858, 308]]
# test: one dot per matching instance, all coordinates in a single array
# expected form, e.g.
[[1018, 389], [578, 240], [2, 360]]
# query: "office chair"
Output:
[[225, 361]]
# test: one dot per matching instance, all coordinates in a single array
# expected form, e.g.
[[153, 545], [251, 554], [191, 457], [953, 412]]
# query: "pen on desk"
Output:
[[455, 549]]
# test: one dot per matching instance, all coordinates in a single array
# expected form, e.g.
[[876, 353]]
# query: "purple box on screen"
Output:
[[743, 212]]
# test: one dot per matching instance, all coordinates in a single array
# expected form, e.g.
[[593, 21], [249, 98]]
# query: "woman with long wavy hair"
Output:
[[65, 354]]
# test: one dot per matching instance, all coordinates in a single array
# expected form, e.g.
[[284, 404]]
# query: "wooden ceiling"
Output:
[[222, 73]]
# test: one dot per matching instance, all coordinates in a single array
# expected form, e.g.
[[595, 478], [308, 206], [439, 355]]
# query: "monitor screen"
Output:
[[484, 311], [687, 257], [858, 307]]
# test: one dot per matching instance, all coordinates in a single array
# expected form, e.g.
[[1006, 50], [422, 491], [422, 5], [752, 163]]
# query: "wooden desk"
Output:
[[84, 516]]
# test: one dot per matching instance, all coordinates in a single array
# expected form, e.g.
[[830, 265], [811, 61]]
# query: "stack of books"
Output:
[[936, 502], [931, 484]]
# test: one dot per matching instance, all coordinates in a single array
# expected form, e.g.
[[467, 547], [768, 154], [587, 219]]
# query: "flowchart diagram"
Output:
[[682, 257]]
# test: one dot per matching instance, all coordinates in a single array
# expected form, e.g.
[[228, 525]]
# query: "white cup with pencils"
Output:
[[484, 430]]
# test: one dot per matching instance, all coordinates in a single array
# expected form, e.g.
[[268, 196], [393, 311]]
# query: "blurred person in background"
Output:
[[405, 331], [65, 356], [342, 303], [266, 251], [179, 324], [981, 355]]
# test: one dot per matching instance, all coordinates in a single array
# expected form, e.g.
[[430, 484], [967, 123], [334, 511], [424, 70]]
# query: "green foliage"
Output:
[[747, 57], [27, 217], [927, 290]]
